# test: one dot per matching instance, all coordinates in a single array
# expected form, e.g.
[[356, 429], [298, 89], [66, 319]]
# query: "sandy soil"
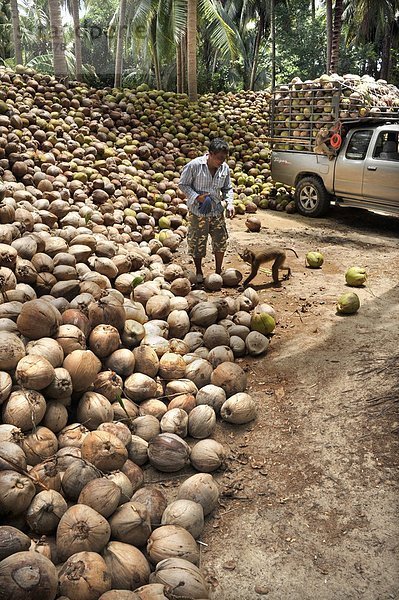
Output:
[[309, 498]]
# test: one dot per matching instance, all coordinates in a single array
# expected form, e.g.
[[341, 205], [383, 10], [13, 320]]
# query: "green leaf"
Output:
[[119, 399], [136, 281]]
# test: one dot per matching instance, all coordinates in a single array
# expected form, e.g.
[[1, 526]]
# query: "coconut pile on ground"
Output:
[[301, 108], [126, 143], [111, 365]]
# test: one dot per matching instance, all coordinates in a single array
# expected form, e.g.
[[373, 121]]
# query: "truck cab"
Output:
[[364, 173]]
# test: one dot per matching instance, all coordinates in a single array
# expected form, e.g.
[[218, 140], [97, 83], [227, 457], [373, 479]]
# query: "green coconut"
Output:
[[164, 234], [355, 276], [348, 303], [164, 223], [314, 259], [262, 322]]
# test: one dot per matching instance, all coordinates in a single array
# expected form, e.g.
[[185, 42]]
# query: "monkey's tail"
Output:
[[292, 250]]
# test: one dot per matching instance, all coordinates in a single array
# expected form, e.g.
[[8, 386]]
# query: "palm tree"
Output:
[[57, 40], [119, 44], [6, 49], [166, 24], [73, 8], [329, 27], [336, 35], [35, 25], [253, 21], [262, 12], [219, 25], [192, 50], [273, 41], [374, 22], [16, 31], [390, 41], [149, 36], [178, 34], [156, 35], [181, 52], [313, 10], [249, 34]]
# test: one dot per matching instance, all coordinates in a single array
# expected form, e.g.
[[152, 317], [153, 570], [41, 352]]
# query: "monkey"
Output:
[[320, 143], [256, 258]]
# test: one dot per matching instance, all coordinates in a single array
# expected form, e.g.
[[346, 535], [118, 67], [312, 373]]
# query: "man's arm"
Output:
[[185, 184], [227, 191]]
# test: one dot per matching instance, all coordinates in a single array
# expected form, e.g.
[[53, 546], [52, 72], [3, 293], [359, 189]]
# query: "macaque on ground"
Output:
[[256, 258]]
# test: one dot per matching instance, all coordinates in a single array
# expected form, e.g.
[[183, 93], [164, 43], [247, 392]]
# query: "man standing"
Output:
[[206, 183]]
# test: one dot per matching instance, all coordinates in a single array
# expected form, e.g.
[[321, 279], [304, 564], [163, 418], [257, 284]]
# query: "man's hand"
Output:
[[230, 212], [205, 206]]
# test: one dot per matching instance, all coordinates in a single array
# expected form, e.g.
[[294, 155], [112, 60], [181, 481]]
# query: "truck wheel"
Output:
[[311, 197]]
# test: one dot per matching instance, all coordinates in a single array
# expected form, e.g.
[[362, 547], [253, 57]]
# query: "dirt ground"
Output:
[[309, 498]]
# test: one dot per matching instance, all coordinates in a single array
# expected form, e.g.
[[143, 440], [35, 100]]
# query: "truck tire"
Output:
[[311, 197]]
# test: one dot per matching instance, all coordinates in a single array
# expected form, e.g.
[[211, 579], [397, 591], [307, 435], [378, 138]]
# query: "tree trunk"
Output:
[[386, 52], [336, 35], [192, 50], [371, 68], [273, 40], [246, 75], [183, 59], [157, 68], [329, 13], [215, 61], [78, 41], [313, 10], [259, 33], [57, 40], [16, 31], [119, 44], [179, 74], [155, 55]]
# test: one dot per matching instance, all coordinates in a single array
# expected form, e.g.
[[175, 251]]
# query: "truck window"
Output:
[[358, 145], [386, 147]]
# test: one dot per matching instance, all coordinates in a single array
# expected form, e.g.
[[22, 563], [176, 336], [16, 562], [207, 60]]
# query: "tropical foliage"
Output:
[[204, 45]]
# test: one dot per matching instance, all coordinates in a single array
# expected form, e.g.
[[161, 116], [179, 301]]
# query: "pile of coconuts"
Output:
[[111, 365], [126, 144], [302, 108]]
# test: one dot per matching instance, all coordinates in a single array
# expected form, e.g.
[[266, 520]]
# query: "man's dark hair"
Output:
[[218, 145]]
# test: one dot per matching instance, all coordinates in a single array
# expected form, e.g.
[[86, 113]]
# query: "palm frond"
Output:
[[244, 13], [8, 62], [113, 24], [140, 11], [163, 32], [179, 18], [44, 64], [366, 19], [222, 35]]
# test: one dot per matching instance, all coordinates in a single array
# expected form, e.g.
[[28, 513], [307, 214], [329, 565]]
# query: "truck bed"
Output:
[[290, 165]]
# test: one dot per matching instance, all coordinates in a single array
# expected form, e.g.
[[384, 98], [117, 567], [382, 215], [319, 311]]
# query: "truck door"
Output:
[[381, 170], [350, 164]]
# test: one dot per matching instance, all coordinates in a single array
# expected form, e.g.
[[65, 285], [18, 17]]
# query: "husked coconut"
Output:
[[229, 376], [216, 335], [239, 408]]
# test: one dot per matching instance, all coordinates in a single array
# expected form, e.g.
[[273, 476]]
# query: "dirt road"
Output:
[[309, 506]]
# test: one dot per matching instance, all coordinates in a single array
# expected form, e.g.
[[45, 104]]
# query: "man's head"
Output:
[[218, 152]]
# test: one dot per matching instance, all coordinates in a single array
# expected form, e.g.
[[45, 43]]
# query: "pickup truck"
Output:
[[364, 173]]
